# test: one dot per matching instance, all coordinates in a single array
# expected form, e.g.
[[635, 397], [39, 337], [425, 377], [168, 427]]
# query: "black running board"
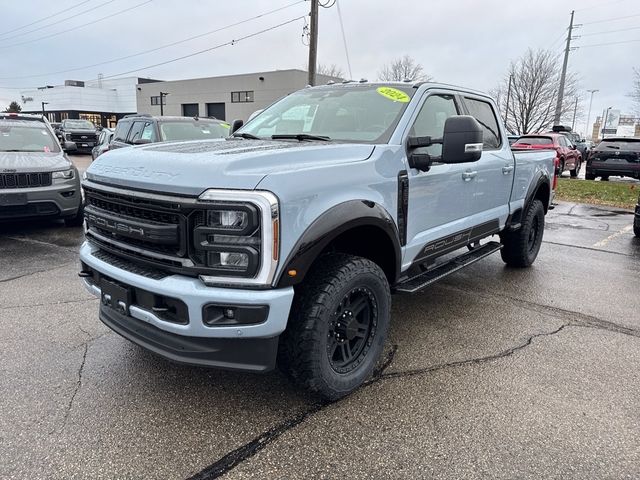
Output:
[[425, 279]]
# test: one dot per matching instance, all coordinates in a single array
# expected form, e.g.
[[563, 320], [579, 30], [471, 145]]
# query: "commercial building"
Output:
[[227, 97], [623, 126], [103, 102]]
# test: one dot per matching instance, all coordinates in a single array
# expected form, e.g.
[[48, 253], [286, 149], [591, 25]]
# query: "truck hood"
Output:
[[33, 162], [189, 168]]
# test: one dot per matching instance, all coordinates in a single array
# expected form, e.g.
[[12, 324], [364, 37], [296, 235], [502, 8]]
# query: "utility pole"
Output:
[[604, 123], [563, 76], [575, 110], [162, 95], [586, 131], [43, 104], [313, 43], [506, 112]]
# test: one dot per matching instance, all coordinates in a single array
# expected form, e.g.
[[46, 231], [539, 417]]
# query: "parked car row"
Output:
[[568, 156]]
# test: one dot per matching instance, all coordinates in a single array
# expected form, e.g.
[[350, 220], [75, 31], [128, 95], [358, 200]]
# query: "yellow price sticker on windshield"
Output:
[[393, 94]]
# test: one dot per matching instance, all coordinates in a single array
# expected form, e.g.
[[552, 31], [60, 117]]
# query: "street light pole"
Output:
[[313, 43], [589, 113], [604, 123], [575, 110], [43, 104], [162, 95]]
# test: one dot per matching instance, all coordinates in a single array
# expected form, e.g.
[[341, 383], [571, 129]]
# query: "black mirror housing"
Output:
[[235, 125], [462, 140]]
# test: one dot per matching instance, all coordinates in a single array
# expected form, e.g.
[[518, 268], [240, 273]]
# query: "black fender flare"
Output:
[[327, 227], [513, 222]]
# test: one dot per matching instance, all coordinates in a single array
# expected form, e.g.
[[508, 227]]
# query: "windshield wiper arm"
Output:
[[300, 137], [248, 136]]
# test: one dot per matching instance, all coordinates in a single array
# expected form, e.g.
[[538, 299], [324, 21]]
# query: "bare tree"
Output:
[[403, 68], [332, 70], [635, 90], [535, 78]]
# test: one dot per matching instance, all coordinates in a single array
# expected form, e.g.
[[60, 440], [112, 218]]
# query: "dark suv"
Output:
[[615, 156], [81, 133], [142, 129], [636, 220]]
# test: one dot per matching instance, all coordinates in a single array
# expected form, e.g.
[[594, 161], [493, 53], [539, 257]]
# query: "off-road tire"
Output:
[[520, 248], [304, 350], [636, 227], [77, 219]]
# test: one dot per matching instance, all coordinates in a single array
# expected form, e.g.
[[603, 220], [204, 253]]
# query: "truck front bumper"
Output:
[[250, 347]]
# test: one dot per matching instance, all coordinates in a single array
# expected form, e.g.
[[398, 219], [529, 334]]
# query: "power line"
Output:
[[612, 19], [59, 21], [610, 43], [215, 47], [609, 31], [231, 42], [599, 5], [344, 40], [45, 18], [79, 26], [226, 27]]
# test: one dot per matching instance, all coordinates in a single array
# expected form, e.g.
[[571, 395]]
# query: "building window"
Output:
[[156, 100], [242, 97], [95, 118]]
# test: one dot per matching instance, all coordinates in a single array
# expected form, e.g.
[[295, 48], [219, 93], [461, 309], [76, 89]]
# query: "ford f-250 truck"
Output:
[[284, 241]]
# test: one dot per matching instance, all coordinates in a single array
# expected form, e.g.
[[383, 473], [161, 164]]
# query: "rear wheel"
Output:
[[337, 327], [604, 178], [574, 173], [561, 168], [520, 248], [590, 176], [636, 227]]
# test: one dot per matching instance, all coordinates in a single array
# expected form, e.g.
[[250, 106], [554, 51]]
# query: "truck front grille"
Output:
[[82, 138], [25, 180]]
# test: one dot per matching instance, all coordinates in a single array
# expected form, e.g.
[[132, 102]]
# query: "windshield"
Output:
[[79, 124], [26, 136], [195, 130], [630, 145], [354, 113], [534, 141]]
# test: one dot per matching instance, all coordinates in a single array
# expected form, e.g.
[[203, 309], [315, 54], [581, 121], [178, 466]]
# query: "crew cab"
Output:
[[283, 243], [78, 135], [568, 155]]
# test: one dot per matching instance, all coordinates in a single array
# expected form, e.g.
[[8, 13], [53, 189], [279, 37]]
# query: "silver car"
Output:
[[104, 141], [36, 177]]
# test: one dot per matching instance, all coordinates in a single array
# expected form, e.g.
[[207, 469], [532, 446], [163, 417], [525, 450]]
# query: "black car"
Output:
[[636, 220], [614, 156], [142, 129], [82, 133]]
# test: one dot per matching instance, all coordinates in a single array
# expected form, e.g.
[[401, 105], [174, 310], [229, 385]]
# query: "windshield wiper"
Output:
[[248, 136], [300, 137]]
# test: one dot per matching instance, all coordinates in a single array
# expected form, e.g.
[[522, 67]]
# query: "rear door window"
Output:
[[486, 117], [148, 132]]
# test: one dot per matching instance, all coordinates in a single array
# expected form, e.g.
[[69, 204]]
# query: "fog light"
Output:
[[221, 315]]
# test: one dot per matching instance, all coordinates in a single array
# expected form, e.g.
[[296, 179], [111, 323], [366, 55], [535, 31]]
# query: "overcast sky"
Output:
[[466, 42]]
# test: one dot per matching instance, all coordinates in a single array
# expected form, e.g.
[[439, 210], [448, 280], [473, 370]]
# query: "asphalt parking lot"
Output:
[[493, 373]]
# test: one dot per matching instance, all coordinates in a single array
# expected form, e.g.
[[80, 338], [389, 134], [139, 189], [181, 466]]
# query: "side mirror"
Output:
[[235, 125], [462, 140], [573, 147], [69, 146], [141, 141]]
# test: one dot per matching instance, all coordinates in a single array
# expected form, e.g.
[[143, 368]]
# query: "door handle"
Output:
[[468, 175], [507, 169]]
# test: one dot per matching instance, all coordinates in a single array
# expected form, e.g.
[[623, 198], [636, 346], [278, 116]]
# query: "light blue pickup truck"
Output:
[[283, 243]]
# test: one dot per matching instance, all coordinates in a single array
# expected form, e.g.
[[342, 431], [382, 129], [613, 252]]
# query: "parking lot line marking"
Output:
[[620, 232]]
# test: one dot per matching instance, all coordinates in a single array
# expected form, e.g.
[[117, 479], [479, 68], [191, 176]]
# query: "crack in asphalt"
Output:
[[49, 304], [77, 387], [41, 242], [3, 280], [589, 248], [249, 449]]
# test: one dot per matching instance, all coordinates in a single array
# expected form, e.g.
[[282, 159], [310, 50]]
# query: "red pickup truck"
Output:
[[569, 158]]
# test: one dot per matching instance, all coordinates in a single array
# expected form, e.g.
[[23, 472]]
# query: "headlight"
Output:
[[63, 174], [236, 237]]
